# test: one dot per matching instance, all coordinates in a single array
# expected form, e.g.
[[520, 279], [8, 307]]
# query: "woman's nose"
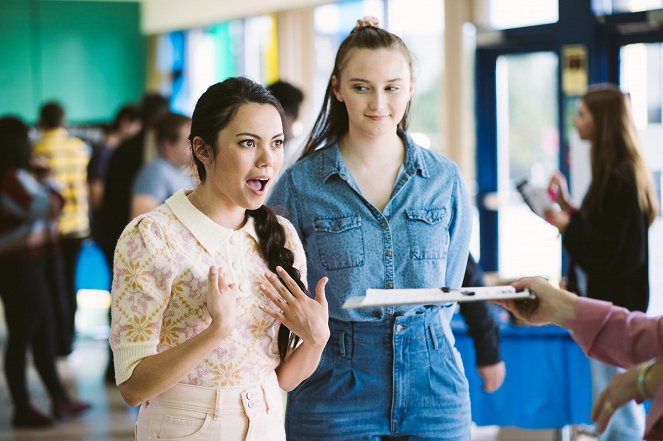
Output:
[[265, 157], [376, 100]]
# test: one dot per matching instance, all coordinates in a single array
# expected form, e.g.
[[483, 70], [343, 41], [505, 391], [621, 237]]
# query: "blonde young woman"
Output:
[[607, 236], [375, 210]]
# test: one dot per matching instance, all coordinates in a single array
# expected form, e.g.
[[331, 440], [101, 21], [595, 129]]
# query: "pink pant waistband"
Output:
[[219, 401]]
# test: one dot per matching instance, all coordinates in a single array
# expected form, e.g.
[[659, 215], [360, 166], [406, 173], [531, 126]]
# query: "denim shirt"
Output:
[[420, 240]]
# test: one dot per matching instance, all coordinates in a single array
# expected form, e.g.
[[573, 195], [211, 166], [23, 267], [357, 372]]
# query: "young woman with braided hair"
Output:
[[209, 297]]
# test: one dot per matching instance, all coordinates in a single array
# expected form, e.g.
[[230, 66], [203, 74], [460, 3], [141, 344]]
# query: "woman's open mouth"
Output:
[[257, 185]]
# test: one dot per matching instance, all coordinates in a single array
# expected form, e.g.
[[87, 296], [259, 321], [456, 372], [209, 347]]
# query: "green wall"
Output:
[[90, 56]]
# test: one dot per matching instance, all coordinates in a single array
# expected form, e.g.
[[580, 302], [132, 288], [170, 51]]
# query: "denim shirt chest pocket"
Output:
[[428, 231], [340, 241]]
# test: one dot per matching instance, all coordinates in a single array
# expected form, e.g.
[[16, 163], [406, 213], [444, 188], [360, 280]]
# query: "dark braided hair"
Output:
[[272, 244], [215, 109]]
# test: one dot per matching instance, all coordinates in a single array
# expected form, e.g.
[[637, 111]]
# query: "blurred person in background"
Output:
[[30, 204], [170, 171], [607, 236], [126, 124], [123, 164], [483, 328], [291, 98], [67, 158]]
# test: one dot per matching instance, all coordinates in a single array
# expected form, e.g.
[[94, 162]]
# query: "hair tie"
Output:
[[368, 21]]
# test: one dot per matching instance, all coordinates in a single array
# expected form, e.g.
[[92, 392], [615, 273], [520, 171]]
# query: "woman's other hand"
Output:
[[559, 219], [558, 190], [492, 376], [306, 317], [624, 388], [551, 305], [221, 302]]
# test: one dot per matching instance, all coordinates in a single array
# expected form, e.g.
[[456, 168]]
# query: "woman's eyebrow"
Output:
[[253, 135], [367, 81]]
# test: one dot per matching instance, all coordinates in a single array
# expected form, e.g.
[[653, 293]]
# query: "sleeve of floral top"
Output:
[[142, 279]]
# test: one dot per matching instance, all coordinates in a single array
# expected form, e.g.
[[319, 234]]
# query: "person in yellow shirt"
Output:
[[67, 158]]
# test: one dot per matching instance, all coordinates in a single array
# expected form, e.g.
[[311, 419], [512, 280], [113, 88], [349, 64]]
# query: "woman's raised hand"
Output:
[[305, 317], [221, 301], [558, 189]]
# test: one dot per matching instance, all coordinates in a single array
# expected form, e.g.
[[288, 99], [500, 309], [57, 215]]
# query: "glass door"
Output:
[[527, 148], [641, 76]]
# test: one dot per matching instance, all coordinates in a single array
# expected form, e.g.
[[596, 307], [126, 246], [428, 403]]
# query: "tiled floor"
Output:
[[109, 419]]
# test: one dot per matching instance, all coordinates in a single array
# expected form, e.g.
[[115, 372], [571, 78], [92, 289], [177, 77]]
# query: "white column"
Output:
[[458, 88], [296, 40]]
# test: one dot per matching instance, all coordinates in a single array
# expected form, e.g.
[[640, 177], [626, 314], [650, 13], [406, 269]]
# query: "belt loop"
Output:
[[341, 344], [264, 397], [431, 330], [218, 405]]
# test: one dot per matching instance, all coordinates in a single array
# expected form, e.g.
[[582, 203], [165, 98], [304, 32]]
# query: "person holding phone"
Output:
[[607, 236]]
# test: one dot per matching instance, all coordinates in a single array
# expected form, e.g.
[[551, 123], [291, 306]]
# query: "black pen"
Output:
[[460, 291]]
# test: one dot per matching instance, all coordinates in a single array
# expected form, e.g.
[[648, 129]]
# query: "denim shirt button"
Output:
[[383, 224], [390, 285], [388, 253]]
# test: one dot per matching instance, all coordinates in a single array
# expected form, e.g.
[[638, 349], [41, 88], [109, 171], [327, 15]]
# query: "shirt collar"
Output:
[[331, 163], [210, 234], [331, 160], [414, 159]]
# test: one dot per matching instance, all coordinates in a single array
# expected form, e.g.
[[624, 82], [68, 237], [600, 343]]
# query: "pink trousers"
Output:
[[195, 413]]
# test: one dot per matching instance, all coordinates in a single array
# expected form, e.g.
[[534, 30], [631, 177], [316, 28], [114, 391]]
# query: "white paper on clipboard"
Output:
[[431, 296]]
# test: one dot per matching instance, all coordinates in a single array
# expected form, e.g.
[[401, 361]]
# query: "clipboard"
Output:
[[433, 296]]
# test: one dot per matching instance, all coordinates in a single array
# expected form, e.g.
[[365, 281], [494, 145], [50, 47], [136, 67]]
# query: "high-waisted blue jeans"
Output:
[[398, 379]]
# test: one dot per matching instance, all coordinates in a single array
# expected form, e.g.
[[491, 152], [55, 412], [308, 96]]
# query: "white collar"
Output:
[[210, 234]]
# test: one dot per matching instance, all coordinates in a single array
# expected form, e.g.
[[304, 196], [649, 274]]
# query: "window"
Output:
[[607, 7], [528, 147], [424, 35], [641, 75], [192, 60], [260, 49], [332, 23], [505, 14]]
